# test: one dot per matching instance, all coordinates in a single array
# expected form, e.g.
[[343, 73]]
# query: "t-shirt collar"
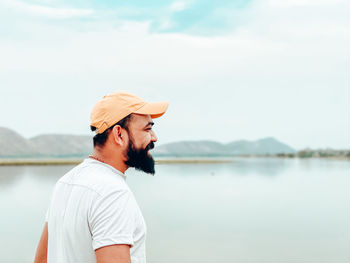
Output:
[[106, 165]]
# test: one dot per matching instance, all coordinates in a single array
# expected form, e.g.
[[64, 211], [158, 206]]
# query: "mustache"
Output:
[[150, 146]]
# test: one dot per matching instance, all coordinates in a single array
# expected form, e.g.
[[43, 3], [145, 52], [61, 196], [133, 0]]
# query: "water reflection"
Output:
[[251, 210], [239, 167], [53, 174], [10, 174]]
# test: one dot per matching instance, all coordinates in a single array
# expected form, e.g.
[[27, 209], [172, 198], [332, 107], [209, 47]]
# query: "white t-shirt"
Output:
[[92, 207]]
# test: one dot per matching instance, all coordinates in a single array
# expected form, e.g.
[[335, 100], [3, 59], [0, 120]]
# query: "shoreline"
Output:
[[174, 160], [58, 161]]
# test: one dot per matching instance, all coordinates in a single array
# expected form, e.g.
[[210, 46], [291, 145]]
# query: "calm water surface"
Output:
[[248, 211]]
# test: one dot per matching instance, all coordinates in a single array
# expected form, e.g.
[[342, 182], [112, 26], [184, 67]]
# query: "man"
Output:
[[93, 215]]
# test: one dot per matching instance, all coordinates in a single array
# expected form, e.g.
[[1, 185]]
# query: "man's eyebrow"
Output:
[[149, 123]]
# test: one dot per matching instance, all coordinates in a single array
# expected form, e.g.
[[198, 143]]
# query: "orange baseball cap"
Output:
[[114, 107]]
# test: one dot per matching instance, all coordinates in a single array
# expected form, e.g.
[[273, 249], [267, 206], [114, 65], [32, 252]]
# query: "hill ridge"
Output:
[[12, 144]]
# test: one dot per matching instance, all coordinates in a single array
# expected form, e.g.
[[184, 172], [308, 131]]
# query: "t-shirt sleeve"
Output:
[[112, 219]]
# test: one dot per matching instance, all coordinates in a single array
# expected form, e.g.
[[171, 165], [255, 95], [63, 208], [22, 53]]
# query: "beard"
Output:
[[140, 159]]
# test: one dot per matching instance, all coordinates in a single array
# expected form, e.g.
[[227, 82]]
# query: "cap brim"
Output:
[[155, 109]]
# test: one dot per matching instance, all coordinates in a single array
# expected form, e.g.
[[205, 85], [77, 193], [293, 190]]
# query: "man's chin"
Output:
[[140, 159]]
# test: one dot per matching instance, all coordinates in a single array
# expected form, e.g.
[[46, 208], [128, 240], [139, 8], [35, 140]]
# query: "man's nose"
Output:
[[154, 137]]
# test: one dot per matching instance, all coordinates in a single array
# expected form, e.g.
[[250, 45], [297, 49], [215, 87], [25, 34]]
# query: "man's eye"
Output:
[[148, 129]]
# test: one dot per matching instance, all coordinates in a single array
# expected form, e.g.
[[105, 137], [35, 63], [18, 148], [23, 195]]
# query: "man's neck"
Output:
[[115, 160]]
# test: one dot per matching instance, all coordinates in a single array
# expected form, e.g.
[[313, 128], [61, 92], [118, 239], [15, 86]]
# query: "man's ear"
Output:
[[117, 135]]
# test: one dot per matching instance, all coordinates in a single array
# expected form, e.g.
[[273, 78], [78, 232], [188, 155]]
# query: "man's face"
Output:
[[141, 140]]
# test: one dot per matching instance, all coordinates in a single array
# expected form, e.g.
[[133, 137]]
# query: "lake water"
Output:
[[249, 211]]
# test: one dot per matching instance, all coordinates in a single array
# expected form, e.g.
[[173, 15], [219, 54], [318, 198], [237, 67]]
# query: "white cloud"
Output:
[[292, 3], [275, 75], [178, 6], [40, 10]]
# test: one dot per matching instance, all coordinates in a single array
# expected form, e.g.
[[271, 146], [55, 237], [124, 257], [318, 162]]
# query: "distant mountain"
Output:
[[210, 148], [51, 145], [13, 144], [63, 145], [192, 148], [267, 145]]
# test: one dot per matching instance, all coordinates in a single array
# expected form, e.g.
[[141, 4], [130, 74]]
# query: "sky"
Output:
[[231, 70]]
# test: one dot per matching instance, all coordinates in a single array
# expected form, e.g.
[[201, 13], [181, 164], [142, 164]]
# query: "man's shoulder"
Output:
[[95, 177]]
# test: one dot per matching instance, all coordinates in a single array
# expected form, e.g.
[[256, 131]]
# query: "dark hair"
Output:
[[101, 138]]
